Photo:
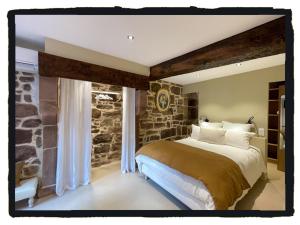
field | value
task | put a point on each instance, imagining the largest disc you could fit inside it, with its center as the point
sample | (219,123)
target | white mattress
(193,192)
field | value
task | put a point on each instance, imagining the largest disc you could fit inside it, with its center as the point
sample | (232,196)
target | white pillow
(212,135)
(211,125)
(237,126)
(239,139)
(195,132)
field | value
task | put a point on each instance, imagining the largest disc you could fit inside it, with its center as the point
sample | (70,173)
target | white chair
(27,189)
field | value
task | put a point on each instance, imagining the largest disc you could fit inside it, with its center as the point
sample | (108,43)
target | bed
(192,192)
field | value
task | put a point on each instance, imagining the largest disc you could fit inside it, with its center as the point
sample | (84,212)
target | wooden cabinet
(274,119)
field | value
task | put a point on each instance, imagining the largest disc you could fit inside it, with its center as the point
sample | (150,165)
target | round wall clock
(162,100)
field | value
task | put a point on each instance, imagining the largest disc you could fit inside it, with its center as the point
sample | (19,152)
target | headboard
(261,143)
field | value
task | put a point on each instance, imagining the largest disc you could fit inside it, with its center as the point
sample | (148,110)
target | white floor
(110,189)
(266,195)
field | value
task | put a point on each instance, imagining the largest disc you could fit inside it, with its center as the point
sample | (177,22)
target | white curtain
(74,135)
(128,131)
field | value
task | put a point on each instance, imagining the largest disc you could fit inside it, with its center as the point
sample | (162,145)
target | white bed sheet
(193,192)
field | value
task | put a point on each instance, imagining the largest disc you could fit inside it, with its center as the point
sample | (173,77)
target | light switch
(261,132)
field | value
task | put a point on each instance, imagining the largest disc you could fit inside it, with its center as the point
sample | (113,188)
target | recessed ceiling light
(130,37)
(238,64)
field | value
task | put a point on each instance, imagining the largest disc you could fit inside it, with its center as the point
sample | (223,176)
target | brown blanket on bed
(222,176)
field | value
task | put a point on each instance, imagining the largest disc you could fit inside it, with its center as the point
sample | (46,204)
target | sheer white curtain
(74,135)
(128,131)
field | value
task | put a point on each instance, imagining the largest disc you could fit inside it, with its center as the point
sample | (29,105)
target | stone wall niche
(106,125)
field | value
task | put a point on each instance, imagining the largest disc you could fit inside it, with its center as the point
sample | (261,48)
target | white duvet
(193,192)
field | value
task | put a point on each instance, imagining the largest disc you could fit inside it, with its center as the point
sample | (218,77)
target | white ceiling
(157,38)
(228,70)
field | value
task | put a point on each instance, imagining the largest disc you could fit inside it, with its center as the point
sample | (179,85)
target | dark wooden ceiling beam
(56,66)
(265,40)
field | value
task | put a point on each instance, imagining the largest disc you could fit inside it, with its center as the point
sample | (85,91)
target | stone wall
(155,125)
(36,124)
(106,125)
(28,124)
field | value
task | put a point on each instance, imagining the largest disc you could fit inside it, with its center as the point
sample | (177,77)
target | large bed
(192,192)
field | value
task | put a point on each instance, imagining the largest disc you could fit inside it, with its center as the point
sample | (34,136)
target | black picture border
(289,78)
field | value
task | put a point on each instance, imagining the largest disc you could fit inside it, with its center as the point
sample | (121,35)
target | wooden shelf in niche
(273,94)
(193,113)
(273,118)
(273,137)
(273,122)
(193,102)
(273,85)
(191,108)
(271,144)
(273,129)
(273,107)
(272,151)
